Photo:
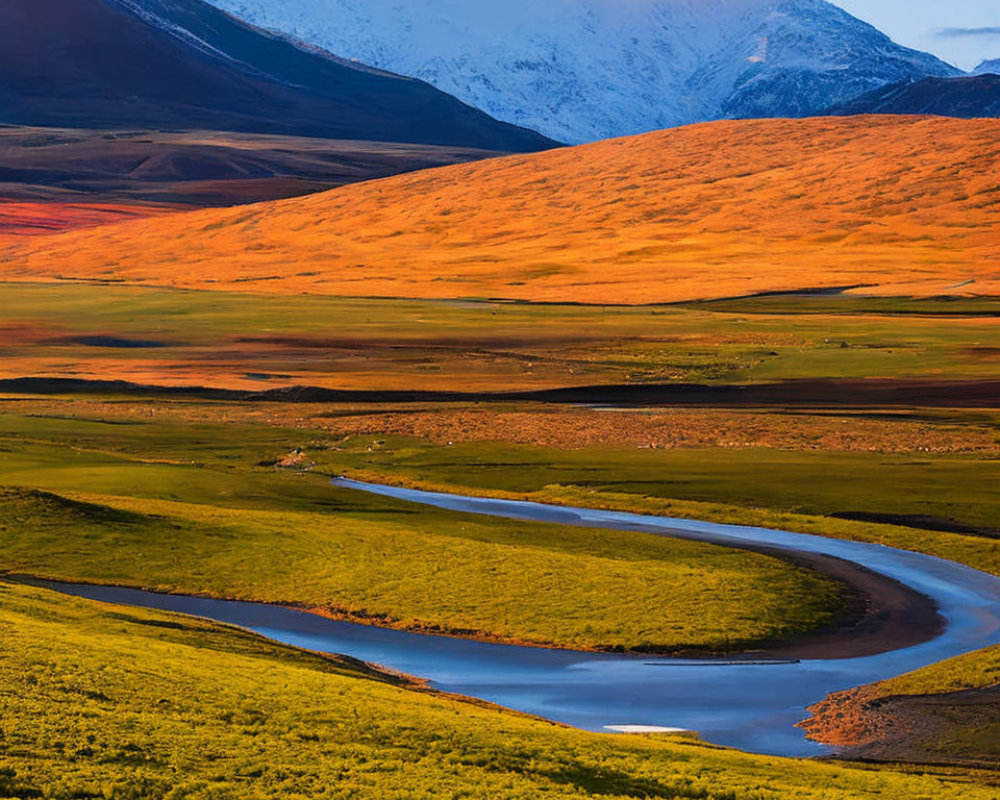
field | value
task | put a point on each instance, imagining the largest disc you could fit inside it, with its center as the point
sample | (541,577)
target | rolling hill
(581,70)
(200,168)
(183,64)
(39,218)
(890,205)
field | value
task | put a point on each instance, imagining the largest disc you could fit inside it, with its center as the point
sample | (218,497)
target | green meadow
(192,509)
(949,487)
(798,490)
(194,496)
(378,343)
(122,704)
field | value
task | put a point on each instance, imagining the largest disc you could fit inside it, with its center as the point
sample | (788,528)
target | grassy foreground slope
(103,702)
(904,206)
(188,508)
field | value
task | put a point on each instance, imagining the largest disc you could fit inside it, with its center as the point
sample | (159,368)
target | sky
(962,32)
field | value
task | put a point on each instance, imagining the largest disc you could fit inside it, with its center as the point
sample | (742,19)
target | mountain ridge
(966,97)
(581,70)
(184,64)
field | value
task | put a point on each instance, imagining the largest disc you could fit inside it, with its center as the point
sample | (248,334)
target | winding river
(751,706)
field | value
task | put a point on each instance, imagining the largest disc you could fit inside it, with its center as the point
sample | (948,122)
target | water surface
(750,706)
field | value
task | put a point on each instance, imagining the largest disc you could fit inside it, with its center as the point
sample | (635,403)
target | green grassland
(850,305)
(418,344)
(979,670)
(238,529)
(188,509)
(102,702)
(186,495)
(789,485)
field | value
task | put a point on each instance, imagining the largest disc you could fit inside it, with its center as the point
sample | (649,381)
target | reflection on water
(752,706)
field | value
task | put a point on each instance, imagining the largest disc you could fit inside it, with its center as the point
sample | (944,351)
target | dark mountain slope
(182,64)
(966,98)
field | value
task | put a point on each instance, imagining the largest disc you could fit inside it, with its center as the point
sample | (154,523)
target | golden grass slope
(42,218)
(905,205)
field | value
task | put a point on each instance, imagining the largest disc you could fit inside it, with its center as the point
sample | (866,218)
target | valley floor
(210,485)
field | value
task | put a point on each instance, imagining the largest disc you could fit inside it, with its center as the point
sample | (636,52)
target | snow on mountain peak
(579,70)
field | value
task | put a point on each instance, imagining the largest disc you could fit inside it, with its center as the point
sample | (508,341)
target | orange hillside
(901,205)
(28,218)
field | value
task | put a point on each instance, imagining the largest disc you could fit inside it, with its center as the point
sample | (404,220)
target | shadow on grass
(610,783)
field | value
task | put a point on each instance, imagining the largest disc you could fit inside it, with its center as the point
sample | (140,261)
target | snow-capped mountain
(579,70)
(991,67)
